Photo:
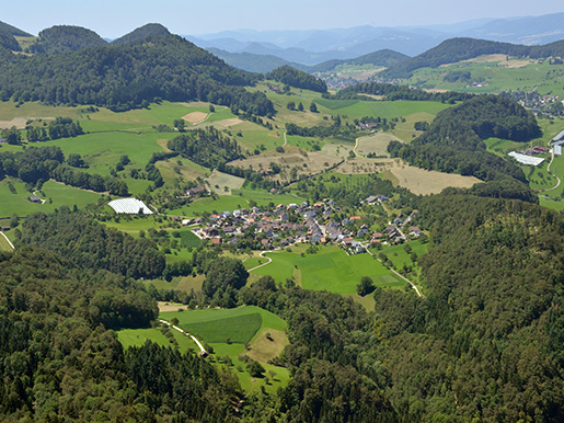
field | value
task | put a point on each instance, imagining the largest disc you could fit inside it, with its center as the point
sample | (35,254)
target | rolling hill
(130,75)
(457,49)
(65,38)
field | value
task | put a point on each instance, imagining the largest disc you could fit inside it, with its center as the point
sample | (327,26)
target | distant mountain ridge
(457,49)
(314,47)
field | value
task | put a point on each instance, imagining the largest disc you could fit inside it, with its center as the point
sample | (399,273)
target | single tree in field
(366,286)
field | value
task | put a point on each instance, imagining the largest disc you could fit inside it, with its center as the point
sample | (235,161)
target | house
(186,222)
(216,241)
(415,231)
(371,200)
(35,199)
(398,221)
(195,191)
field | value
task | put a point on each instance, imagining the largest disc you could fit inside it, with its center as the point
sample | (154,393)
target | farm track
(198,343)
(8,241)
(398,274)
(548,170)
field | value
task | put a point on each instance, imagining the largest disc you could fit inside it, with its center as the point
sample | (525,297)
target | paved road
(202,349)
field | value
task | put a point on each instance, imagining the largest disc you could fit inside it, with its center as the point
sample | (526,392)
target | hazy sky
(113,18)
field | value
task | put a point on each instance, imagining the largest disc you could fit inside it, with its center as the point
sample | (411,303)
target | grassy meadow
(328,269)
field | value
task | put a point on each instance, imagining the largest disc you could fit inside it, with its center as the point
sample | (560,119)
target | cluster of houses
(285,225)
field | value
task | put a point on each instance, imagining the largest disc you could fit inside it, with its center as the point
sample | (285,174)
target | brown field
(228,123)
(375,97)
(376,143)
(424,182)
(274,134)
(19,122)
(360,166)
(195,117)
(339,151)
(500,59)
(263,349)
(305,164)
(165,306)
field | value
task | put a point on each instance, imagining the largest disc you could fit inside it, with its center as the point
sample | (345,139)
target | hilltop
(65,38)
(127,75)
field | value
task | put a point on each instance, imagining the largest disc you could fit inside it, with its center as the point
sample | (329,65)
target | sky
(113,18)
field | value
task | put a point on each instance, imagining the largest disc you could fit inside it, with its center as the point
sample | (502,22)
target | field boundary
(198,343)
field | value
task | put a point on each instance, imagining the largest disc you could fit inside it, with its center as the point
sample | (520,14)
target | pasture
(55,195)
(330,268)
(262,331)
(375,144)
(241,198)
(223,183)
(137,337)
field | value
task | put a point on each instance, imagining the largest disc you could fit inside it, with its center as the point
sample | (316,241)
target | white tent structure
(129,206)
(526,160)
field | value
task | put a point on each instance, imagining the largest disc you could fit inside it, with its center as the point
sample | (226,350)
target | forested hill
(130,75)
(457,49)
(384,58)
(13,30)
(8,41)
(142,32)
(65,38)
(297,78)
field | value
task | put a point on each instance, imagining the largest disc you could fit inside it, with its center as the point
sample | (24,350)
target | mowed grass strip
(226,322)
(238,330)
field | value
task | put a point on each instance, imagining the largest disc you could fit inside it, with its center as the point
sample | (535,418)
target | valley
(366,253)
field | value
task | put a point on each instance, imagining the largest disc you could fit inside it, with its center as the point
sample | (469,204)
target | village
(284,225)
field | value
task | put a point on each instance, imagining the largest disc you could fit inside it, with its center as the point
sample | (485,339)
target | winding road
(548,170)
(198,343)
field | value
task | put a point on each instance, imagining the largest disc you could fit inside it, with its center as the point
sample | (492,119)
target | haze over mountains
(313,47)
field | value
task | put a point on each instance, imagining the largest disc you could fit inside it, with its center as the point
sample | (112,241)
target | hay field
(376,144)
(424,182)
(195,117)
(304,163)
(228,123)
(340,151)
(360,166)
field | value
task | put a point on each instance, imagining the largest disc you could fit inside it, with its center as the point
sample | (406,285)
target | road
(8,240)
(202,349)
(548,170)
(398,274)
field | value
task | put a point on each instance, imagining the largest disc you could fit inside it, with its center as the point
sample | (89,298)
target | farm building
(35,199)
(559,137)
(526,160)
(129,206)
